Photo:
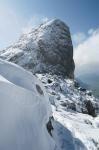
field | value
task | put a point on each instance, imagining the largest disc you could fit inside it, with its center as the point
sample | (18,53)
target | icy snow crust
(24,112)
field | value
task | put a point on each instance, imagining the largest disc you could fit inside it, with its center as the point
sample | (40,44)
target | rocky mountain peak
(45,49)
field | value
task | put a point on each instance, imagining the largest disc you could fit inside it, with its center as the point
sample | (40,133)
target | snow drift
(24,111)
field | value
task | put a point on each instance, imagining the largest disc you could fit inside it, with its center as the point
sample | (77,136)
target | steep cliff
(45,49)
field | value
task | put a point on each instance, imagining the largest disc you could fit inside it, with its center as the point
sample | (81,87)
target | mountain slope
(74,129)
(26,117)
(61,116)
(47,48)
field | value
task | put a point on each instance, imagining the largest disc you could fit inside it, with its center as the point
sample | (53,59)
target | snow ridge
(24,110)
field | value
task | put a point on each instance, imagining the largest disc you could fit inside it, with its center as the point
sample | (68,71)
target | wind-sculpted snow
(26,119)
(24,111)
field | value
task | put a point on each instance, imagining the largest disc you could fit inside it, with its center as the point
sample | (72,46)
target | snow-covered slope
(61,116)
(26,121)
(24,111)
(74,126)
(69,95)
(47,48)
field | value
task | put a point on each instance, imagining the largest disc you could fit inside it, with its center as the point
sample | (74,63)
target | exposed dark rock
(64,104)
(76,84)
(90,108)
(68,105)
(82,89)
(40,91)
(46,49)
(49,126)
(72,106)
(49,81)
(89,93)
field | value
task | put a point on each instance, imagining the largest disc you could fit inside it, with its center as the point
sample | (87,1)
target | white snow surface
(73,130)
(28,50)
(24,111)
(25,102)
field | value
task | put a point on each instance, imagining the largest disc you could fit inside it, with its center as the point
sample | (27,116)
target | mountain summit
(45,49)
(57,114)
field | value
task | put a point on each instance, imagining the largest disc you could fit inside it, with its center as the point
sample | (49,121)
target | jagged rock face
(46,49)
(64,94)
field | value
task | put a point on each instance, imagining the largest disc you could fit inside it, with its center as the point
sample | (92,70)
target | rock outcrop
(25,112)
(45,49)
